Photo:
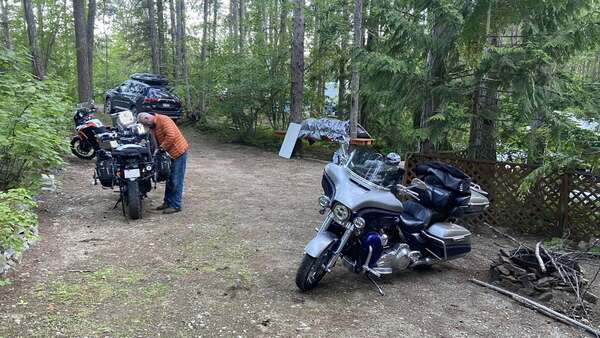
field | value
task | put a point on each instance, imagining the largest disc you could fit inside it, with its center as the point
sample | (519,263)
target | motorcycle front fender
(319,243)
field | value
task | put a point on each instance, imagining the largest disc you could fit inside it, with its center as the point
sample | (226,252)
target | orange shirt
(169,137)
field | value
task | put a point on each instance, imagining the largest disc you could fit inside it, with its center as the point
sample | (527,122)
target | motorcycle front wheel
(79,149)
(312,270)
(133,200)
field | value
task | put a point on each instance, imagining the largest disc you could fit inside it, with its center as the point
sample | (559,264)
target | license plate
(166,105)
(132,173)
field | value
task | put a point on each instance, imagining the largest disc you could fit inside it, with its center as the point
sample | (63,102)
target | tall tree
(5,24)
(482,131)
(154,52)
(215,25)
(83,73)
(204,51)
(358,43)
(181,47)
(91,20)
(234,21)
(160,15)
(38,69)
(174,49)
(343,61)
(297,62)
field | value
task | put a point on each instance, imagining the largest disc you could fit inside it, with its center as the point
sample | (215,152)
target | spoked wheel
(82,150)
(132,201)
(312,270)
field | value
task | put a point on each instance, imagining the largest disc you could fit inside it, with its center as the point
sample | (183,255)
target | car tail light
(150,100)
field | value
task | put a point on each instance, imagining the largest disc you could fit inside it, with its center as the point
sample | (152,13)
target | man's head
(146,119)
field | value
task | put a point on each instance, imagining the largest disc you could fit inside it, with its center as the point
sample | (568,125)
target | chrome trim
(326,222)
(349,231)
(438,240)
(364,181)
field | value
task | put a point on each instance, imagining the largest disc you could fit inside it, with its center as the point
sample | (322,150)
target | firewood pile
(542,274)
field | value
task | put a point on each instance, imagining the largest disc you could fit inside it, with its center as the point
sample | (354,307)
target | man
(170,139)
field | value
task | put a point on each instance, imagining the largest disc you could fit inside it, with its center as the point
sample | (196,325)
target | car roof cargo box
(151,79)
(445,175)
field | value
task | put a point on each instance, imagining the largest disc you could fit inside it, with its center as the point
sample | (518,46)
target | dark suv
(144,93)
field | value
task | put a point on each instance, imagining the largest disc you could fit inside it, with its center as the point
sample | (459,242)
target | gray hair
(144,118)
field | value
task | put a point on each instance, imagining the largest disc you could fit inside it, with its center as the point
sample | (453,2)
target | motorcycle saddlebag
(448,240)
(162,165)
(105,168)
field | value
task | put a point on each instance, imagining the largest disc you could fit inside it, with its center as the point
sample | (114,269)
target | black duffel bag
(445,175)
(105,170)
(162,166)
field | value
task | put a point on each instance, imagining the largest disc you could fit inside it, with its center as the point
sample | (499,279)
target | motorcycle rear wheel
(133,200)
(312,270)
(76,149)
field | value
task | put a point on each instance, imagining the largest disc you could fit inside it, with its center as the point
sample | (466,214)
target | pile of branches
(544,274)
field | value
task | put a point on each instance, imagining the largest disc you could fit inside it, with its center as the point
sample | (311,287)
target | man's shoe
(170,210)
(162,207)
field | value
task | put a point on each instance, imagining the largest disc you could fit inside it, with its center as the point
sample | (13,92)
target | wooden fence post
(565,192)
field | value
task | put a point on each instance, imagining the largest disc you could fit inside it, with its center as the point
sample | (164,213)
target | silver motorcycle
(377,226)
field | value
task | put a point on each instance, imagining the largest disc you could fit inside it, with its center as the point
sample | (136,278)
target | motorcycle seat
(415,217)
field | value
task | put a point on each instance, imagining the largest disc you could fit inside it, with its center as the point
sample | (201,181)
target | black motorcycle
(131,165)
(84,145)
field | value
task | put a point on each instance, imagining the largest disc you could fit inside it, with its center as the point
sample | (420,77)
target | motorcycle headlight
(341,213)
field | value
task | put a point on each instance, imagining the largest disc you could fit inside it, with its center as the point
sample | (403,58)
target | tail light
(150,100)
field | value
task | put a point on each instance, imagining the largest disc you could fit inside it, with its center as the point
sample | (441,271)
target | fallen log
(540,308)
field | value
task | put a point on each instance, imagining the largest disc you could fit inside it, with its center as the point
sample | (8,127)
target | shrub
(17,220)
(33,123)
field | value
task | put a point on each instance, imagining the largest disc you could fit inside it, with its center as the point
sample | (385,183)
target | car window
(158,92)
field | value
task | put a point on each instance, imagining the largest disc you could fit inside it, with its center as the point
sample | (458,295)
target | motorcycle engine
(396,258)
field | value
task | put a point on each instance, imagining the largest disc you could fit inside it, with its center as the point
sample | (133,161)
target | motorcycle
(130,164)
(84,145)
(377,226)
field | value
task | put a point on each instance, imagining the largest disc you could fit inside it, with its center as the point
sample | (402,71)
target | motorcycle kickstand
(379,289)
(118,201)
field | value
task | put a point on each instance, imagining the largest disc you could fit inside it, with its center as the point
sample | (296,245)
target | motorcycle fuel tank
(351,191)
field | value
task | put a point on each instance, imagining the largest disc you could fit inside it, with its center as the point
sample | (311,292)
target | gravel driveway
(225,266)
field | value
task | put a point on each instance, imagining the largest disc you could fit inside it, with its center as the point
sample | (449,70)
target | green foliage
(17,219)
(33,124)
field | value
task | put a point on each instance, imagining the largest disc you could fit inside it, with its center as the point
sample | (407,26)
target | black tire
(81,153)
(108,107)
(312,270)
(133,200)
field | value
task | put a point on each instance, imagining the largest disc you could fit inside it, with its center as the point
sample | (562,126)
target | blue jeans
(174,189)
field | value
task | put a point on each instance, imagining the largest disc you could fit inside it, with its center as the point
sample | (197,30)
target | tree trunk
(5,25)
(535,154)
(242,24)
(91,20)
(174,49)
(203,53)
(215,25)
(160,15)
(154,53)
(83,73)
(235,28)
(297,62)
(435,73)
(38,69)
(181,38)
(358,42)
(482,133)
(343,61)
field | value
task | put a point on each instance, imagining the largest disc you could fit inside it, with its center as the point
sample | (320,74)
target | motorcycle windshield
(371,166)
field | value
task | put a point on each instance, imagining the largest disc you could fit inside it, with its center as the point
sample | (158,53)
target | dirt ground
(225,266)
